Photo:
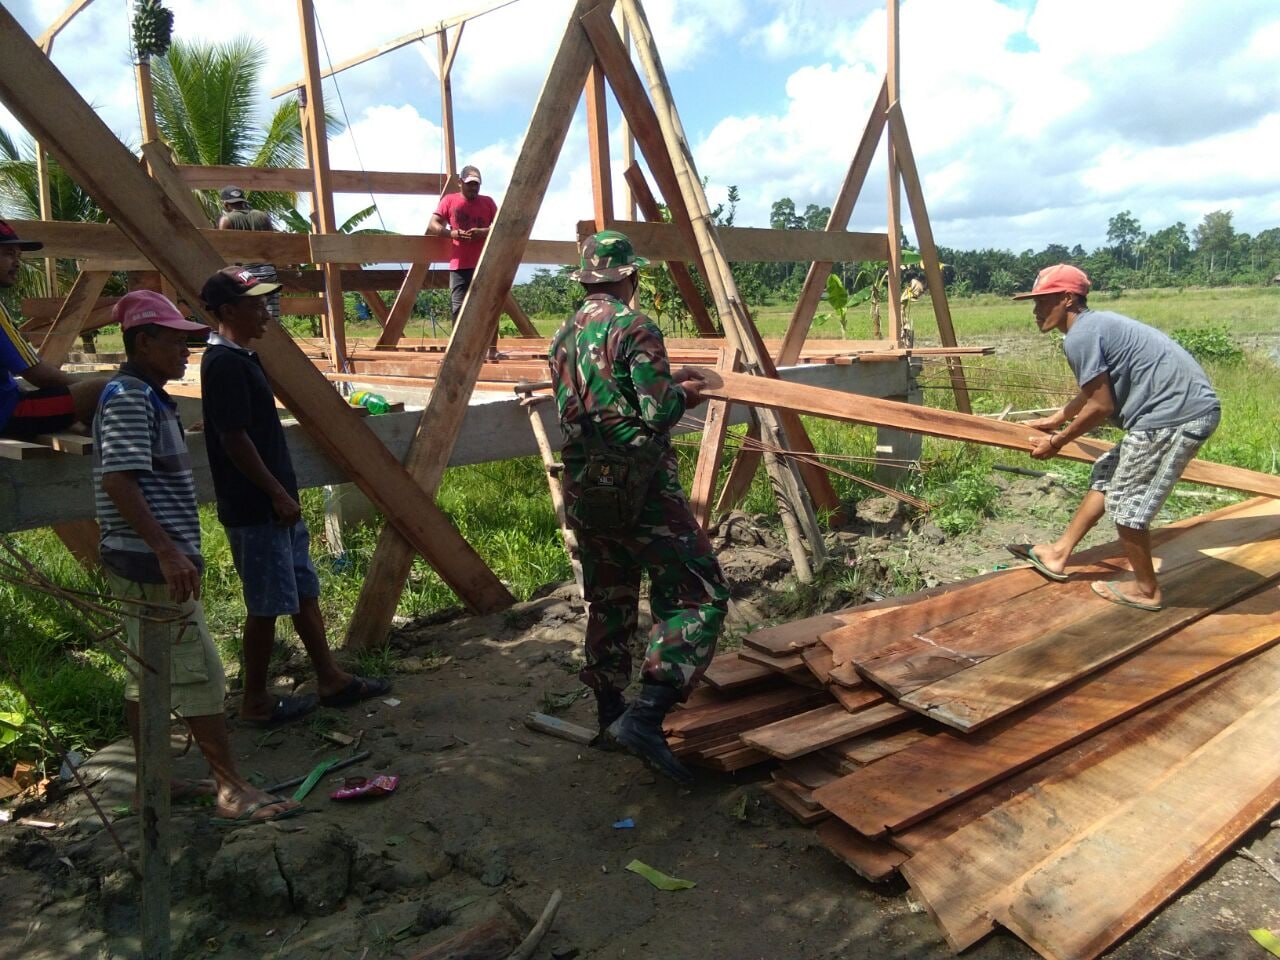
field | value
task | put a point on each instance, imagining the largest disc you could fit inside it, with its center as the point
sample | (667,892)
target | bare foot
(1127,592)
(237,804)
(1050,557)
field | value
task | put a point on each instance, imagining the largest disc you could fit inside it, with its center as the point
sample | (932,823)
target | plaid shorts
(1138,473)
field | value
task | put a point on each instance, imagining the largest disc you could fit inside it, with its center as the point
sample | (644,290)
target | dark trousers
(459,282)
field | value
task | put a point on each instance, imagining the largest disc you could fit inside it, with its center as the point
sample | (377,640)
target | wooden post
(155,770)
(318,153)
(521,319)
(598,148)
(44,102)
(643,199)
(448,51)
(555,478)
(75,310)
(794,506)
(429,453)
(146,100)
(894,228)
(928,251)
(711,451)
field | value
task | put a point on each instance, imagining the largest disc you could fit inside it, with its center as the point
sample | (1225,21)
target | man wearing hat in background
(464,218)
(613,384)
(1139,379)
(150,539)
(58,401)
(257,495)
(238,214)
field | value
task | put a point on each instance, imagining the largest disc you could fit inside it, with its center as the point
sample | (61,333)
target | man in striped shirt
(150,537)
(58,401)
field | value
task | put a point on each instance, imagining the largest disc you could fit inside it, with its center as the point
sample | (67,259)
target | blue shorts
(275,567)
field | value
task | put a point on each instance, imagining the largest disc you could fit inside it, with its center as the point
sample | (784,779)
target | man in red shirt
(464,218)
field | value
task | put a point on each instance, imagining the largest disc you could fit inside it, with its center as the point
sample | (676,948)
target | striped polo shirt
(16,356)
(136,429)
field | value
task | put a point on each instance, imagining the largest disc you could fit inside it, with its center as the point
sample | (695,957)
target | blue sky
(1032,121)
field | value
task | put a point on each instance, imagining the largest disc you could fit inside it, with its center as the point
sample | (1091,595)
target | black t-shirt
(236,396)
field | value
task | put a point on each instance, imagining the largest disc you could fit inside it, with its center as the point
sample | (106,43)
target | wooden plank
(1219,793)
(680,274)
(948,424)
(801,793)
(870,747)
(78,444)
(477,323)
(23,450)
(807,732)
(787,663)
(811,771)
(735,760)
(795,635)
(724,714)
(711,450)
(935,653)
(302,180)
(873,860)
(1005,683)
(396,248)
(845,675)
(854,700)
(728,671)
(108,242)
(902,153)
(966,861)
(72,316)
(903,789)
(818,659)
(664,241)
(815,281)
(788,802)
(49,108)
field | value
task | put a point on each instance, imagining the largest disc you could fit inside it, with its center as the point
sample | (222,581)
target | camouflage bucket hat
(607,256)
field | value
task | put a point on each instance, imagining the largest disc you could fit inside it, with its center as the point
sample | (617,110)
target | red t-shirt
(463,214)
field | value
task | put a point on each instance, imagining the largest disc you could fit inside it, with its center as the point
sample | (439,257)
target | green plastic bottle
(373,402)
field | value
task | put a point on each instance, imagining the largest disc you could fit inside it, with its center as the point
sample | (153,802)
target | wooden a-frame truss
(154,226)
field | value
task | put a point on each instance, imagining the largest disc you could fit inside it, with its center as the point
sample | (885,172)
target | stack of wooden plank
(1024,752)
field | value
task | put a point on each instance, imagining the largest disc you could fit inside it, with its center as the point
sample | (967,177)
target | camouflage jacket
(623,376)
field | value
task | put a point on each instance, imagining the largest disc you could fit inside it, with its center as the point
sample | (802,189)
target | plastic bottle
(372,402)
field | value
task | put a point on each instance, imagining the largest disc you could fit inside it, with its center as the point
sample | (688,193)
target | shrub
(1209,344)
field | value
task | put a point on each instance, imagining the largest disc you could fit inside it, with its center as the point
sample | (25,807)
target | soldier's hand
(693,383)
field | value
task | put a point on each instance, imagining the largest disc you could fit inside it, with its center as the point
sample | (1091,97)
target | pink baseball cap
(141,307)
(1060,278)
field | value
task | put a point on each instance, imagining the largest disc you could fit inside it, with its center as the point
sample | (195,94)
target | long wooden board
(935,653)
(814,401)
(807,732)
(965,876)
(728,671)
(870,747)
(903,789)
(743,712)
(1007,682)
(1204,805)
(872,860)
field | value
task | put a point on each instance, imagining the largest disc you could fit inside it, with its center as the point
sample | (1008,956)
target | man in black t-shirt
(257,496)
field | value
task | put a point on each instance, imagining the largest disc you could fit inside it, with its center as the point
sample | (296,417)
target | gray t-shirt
(1156,383)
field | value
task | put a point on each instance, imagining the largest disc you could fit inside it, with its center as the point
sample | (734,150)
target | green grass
(504,510)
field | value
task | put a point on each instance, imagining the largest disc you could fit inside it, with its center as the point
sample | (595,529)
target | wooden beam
(447,52)
(711,451)
(950,425)
(894,274)
(395,44)
(815,281)
(928,250)
(50,109)
(146,101)
(81,301)
(159,157)
(598,147)
(396,248)
(663,241)
(154,762)
(300,180)
(644,200)
(521,319)
(474,329)
(317,140)
(107,243)
(45,40)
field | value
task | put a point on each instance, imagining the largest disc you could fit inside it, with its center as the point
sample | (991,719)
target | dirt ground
(490,817)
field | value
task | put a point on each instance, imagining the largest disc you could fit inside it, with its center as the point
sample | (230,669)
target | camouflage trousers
(687,594)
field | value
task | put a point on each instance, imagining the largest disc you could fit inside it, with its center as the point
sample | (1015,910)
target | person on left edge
(145,498)
(257,495)
(58,401)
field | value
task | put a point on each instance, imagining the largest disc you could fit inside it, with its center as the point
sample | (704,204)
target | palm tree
(205,108)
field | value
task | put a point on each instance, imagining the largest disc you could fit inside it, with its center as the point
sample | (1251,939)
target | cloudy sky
(1033,121)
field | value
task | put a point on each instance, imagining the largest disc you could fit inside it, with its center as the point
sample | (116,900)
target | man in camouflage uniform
(621,387)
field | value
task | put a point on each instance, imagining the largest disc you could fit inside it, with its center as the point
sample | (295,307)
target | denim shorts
(275,567)
(1138,473)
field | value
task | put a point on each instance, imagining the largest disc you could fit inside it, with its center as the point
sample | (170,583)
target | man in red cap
(1136,378)
(58,401)
(150,540)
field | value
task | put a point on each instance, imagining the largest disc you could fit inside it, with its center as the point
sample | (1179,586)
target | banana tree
(870,285)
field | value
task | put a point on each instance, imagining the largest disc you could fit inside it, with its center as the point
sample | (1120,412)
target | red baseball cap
(1060,278)
(141,307)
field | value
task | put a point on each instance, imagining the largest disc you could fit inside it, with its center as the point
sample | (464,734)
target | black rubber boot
(610,705)
(640,731)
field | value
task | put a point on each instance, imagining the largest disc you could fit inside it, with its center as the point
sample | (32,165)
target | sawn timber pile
(1023,752)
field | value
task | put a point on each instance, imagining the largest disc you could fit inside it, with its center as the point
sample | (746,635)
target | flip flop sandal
(357,787)
(285,710)
(360,688)
(246,817)
(1108,590)
(1044,571)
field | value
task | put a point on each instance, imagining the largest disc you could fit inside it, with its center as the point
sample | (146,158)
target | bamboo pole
(794,507)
